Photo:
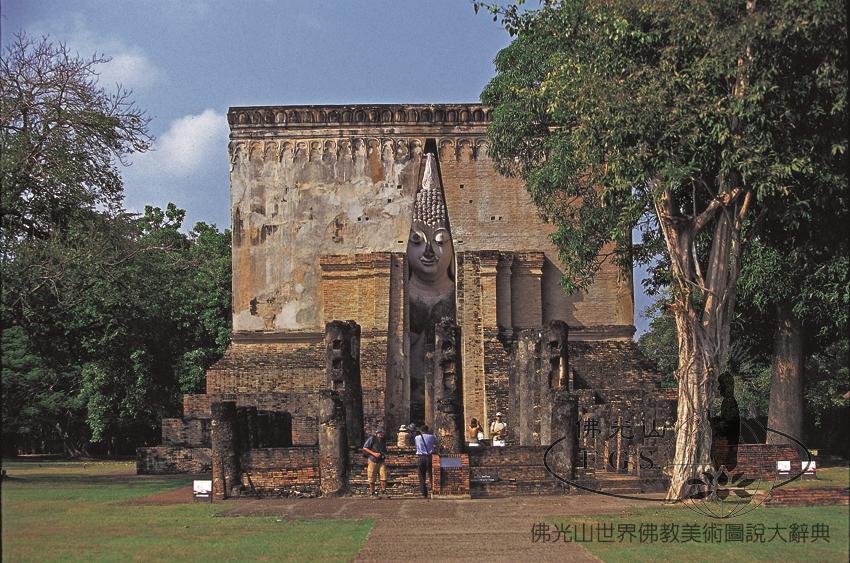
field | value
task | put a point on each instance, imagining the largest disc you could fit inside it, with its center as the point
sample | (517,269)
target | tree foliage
(61,135)
(107,316)
(695,122)
(134,314)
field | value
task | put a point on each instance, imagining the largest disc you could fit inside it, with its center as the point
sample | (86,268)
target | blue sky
(187,61)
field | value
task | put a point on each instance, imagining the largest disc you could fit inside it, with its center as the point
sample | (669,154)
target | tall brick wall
(610,364)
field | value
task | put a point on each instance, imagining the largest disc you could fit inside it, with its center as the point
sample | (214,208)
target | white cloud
(129,65)
(130,68)
(187,146)
(188,166)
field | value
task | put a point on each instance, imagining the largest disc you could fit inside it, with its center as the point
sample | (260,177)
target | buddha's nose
(429,250)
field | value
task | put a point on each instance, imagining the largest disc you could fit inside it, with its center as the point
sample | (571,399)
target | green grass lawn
(836,517)
(827,477)
(71,511)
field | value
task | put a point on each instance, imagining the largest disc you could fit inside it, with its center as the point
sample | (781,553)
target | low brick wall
(402,469)
(448,479)
(161,460)
(282,471)
(515,470)
(808,496)
(755,461)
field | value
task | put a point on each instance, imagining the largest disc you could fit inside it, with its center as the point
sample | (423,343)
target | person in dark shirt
(376,448)
(424,450)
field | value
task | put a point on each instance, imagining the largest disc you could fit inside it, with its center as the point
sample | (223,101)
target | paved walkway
(443,530)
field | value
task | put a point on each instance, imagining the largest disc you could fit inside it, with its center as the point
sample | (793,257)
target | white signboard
(202,489)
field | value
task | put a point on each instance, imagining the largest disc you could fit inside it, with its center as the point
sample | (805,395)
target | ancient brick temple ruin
(385,273)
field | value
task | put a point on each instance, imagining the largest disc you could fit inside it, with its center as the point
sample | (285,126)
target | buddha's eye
(441,237)
(415,238)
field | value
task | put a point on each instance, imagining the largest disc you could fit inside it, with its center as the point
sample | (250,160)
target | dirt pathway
(448,530)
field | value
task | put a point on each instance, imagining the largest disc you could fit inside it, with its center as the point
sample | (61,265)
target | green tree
(106,316)
(62,136)
(677,117)
(134,319)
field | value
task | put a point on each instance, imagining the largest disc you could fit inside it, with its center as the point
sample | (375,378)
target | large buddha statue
(431,286)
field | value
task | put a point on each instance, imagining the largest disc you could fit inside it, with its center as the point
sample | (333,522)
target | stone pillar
(342,359)
(397,391)
(563,421)
(524,387)
(448,415)
(225,450)
(557,355)
(503,293)
(527,290)
(488,271)
(333,444)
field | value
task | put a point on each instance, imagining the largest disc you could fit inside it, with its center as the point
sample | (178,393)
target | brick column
(342,365)
(488,271)
(225,456)
(527,290)
(562,419)
(448,414)
(523,387)
(333,444)
(556,354)
(503,292)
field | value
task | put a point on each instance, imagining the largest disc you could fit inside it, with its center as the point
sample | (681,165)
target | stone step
(622,490)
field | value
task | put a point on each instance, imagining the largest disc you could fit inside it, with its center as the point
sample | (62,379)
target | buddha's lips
(428,261)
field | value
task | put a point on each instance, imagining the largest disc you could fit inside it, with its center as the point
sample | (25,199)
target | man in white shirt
(498,430)
(424,450)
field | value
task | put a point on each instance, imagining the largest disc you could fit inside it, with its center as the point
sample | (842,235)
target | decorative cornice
(294,117)
(316,146)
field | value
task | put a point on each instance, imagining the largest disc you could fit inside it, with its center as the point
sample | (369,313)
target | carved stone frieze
(389,150)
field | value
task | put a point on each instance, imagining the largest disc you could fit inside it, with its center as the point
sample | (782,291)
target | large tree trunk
(785,413)
(703,307)
(696,376)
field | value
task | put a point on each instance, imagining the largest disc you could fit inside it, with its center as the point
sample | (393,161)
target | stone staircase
(616,483)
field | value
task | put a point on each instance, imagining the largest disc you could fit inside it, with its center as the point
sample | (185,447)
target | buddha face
(429,253)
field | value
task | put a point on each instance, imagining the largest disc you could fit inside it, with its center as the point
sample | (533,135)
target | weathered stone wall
(192,432)
(340,181)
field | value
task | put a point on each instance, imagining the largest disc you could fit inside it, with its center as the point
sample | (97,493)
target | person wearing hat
(375,449)
(498,430)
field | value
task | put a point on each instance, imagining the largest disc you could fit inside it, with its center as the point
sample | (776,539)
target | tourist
(376,450)
(498,430)
(474,432)
(424,450)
